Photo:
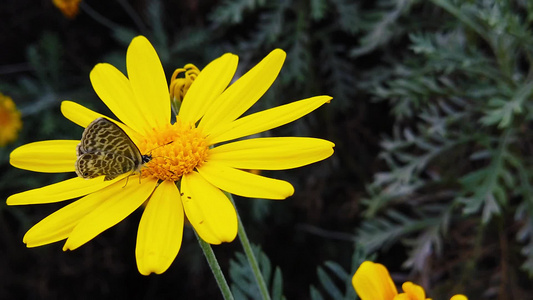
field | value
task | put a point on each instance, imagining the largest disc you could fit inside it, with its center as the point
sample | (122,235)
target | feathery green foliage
(335,281)
(243,285)
(461,102)
(299,27)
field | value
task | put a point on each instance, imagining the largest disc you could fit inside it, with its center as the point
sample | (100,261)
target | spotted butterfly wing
(105,149)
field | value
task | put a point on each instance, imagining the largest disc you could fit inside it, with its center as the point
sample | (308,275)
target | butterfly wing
(105,149)
(91,165)
(106,136)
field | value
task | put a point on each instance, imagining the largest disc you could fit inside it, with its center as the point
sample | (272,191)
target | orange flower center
(5,117)
(176,149)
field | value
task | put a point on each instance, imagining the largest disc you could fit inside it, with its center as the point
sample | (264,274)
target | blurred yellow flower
(10,122)
(69,8)
(372,281)
(193,160)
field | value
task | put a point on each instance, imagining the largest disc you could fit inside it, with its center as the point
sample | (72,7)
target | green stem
(215,268)
(98,17)
(250,255)
(134,16)
(461,16)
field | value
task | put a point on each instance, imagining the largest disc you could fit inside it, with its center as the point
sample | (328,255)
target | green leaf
(318,9)
(334,278)
(232,12)
(501,111)
(243,284)
(487,187)
(315,294)
(277,285)
(328,284)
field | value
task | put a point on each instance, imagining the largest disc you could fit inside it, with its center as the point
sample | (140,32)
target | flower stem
(215,268)
(134,16)
(250,255)
(98,17)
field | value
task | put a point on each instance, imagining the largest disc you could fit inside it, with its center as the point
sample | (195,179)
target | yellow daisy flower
(69,8)
(10,122)
(372,281)
(193,161)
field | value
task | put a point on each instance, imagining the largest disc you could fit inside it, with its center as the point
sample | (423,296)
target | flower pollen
(176,149)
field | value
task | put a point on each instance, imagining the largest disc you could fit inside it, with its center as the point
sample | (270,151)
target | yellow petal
(459,297)
(121,199)
(83,116)
(64,190)
(115,91)
(160,230)
(372,281)
(242,94)
(213,79)
(210,212)
(148,82)
(265,120)
(59,225)
(79,114)
(55,156)
(277,153)
(244,183)
(414,291)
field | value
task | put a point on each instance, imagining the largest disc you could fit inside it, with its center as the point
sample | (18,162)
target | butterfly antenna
(164,157)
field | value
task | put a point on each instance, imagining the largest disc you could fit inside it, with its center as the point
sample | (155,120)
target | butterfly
(105,149)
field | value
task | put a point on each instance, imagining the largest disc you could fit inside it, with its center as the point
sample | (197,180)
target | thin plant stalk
(98,17)
(250,255)
(215,268)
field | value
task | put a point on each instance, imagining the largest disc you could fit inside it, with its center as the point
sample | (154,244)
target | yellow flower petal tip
(279,54)
(77,113)
(149,88)
(140,39)
(45,156)
(413,291)
(459,297)
(160,230)
(172,153)
(372,281)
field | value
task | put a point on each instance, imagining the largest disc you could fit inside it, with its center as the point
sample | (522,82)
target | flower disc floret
(176,150)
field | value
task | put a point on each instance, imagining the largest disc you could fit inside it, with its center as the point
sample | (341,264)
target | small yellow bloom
(372,281)
(180,85)
(194,159)
(411,292)
(10,122)
(69,8)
